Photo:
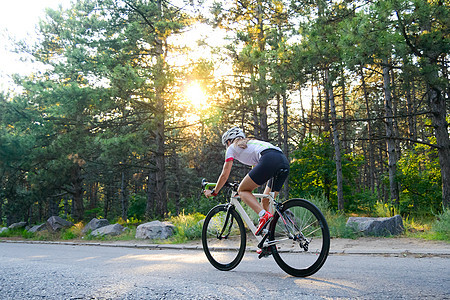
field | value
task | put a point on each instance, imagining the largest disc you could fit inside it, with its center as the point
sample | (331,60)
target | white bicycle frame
(235,201)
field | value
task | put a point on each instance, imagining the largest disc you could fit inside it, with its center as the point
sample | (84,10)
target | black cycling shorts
(274,166)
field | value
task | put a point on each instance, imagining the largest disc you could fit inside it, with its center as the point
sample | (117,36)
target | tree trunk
(263,120)
(410,106)
(337,150)
(279,132)
(77,193)
(108,200)
(344,114)
(262,102)
(176,180)
(394,97)
(256,129)
(326,116)
(150,207)
(320,114)
(124,197)
(390,138)
(371,172)
(93,196)
(438,109)
(285,140)
(160,178)
(160,157)
(311,113)
(437,104)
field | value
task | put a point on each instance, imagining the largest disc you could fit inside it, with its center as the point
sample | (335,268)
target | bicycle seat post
(271,202)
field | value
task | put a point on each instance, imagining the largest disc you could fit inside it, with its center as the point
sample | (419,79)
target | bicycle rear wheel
(223,237)
(301,238)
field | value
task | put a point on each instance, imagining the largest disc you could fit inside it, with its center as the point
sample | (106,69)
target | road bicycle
(298,237)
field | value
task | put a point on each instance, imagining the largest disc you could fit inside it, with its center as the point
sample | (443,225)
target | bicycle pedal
(265,252)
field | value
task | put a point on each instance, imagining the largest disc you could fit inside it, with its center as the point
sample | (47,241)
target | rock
(114,229)
(95,224)
(3,229)
(56,223)
(17,225)
(155,230)
(377,226)
(37,228)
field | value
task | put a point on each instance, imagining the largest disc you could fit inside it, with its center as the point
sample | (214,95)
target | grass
(19,232)
(436,229)
(441,227)
(337,221)
(188,227)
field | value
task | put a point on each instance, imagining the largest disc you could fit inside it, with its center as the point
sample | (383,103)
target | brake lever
(203,183)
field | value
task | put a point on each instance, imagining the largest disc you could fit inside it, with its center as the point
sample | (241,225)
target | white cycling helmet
(231,134)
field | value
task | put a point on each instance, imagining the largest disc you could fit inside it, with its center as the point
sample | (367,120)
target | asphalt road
(42,271)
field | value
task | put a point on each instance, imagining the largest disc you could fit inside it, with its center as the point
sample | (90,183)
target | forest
(124,117)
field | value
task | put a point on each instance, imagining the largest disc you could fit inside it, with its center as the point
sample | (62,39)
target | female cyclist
(268,162)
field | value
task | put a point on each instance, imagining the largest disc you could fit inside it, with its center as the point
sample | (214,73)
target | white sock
(262,213)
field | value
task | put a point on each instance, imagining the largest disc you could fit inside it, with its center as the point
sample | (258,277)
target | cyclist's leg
(269,166)
(245,191)
(265,201)
(275,183)
(246,187)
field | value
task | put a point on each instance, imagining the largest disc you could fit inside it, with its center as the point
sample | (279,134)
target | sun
(195,94)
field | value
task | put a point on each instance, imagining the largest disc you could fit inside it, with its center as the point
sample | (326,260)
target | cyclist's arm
(226,170)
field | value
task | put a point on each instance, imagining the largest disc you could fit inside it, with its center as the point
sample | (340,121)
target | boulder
(18,225)
(155,230)
(114,229)
(3,229)
(37,228)
(377,226)
(95,224)
(56,223)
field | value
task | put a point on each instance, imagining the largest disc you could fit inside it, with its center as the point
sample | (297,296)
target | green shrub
(11,232)
(93,213)
(441,227)
(197,204)
(21,232)
(27,235)
(421,193)
(46,235)
(5,233)
(188,227)
(68,234)
(337,223)
(137,206)
(321,202)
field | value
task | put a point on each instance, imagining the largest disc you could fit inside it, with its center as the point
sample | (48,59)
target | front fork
(228,218)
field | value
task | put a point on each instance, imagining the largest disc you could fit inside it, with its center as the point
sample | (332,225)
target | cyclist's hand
(208,193)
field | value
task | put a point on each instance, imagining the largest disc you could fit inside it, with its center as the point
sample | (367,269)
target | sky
(18,19)
(21,16)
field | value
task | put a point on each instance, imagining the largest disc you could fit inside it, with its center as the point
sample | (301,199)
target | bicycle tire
(223,253)
(303,219)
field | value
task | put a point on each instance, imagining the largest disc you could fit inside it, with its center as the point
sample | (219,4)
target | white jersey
(249,156)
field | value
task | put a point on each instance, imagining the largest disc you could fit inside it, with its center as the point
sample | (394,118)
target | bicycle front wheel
(223,237)
(300,238)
